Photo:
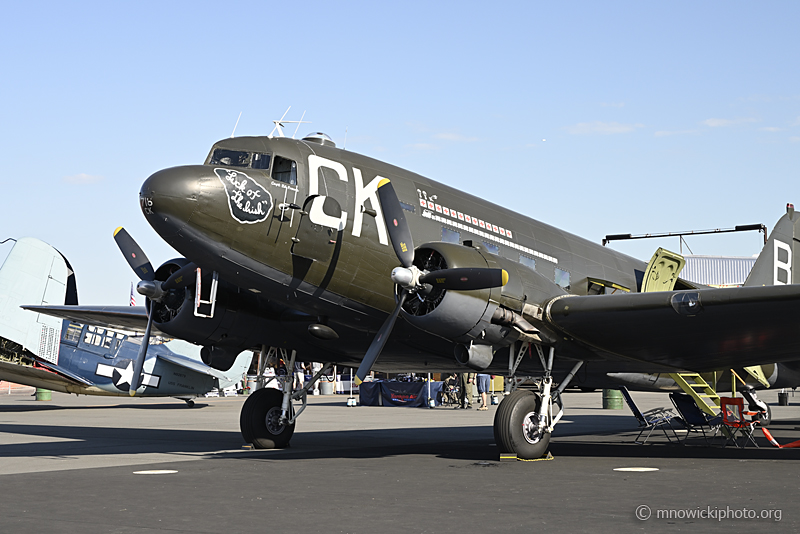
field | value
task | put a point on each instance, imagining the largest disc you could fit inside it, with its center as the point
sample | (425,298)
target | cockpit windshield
(234,158)
(238,158)
(260,161)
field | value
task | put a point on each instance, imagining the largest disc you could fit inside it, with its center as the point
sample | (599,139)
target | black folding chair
(693,418)
(651,419)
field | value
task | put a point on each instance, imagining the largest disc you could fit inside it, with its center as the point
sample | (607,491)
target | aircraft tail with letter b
(776,263)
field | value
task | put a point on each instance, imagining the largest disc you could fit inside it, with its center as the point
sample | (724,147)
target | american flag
(133,297)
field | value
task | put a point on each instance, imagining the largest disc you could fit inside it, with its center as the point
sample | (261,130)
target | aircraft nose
(169,197)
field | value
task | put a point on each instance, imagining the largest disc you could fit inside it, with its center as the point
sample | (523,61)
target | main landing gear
(525,419)
(261,423)
(268,418)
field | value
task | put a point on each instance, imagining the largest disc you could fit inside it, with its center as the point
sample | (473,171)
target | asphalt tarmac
(71,464)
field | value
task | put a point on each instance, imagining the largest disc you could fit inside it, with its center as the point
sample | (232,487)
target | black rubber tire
(190,403)
(260,405)
(763,418)
(508,426)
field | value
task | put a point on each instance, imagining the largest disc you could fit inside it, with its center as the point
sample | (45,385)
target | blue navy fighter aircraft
(60,355)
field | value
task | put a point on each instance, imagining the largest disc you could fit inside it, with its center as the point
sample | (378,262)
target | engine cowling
(224,335)
(462,316)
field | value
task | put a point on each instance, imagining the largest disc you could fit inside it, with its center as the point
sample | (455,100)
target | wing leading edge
(129,318)
(699,330)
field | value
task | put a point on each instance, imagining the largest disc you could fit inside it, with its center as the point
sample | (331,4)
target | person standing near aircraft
(299,375)
(314,368)
(465,392)
(483,389)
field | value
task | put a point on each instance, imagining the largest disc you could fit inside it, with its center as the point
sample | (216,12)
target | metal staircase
(700,390)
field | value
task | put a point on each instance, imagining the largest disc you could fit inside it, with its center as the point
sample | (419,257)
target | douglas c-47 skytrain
(320,254)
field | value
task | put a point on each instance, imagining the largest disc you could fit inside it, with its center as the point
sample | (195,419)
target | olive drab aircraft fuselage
(312,239)
(301,249)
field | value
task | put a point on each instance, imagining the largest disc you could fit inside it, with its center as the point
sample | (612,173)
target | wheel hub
(530,428)
(273,421)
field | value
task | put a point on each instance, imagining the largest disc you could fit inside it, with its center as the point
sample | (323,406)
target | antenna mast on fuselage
(281,123)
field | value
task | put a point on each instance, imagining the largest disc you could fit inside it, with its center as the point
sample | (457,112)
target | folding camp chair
(651,419)
(733,418)
(693,418)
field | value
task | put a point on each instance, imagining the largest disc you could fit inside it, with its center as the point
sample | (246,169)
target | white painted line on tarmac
(636,469)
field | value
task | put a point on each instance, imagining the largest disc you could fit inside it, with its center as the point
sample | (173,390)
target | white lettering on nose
(783,268)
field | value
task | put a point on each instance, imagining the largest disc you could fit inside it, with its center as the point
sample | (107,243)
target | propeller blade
(135,256)
(465,279)
(139,364)
(180,278)
(378,343)
(396,224)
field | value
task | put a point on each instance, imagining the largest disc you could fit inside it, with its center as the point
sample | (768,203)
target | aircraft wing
(697,330)
(50,373)
(65,373)
(130,318)
(193,365)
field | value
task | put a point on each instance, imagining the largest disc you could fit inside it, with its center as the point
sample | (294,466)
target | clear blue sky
(596,117)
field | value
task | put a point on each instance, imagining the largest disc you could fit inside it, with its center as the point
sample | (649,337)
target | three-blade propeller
(409,277)
(151,288)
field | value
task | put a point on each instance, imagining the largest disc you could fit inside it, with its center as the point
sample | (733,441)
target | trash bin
(612,399)
(783,398)
(43,394)
(325,387)
(252,384)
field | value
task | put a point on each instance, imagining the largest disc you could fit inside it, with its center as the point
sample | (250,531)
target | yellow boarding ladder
(700,390)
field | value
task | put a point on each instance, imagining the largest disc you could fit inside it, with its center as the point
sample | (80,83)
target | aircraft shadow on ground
(474,443)
(40,407)
(93,441)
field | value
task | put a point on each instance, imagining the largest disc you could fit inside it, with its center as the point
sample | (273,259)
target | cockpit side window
(233,158)
(260,161)
(284,170)
(72,334)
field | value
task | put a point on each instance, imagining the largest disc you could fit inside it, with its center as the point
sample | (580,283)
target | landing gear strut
(268,418)
(762,409)
(525,419)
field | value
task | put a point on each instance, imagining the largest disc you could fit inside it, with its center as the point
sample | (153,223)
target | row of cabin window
(561,276)
(99,337)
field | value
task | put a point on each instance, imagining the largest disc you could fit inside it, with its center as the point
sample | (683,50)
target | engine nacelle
(462,316)
(230,330)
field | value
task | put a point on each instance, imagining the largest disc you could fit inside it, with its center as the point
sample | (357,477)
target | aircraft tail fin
(34,273)
(239,368)
(780,258)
